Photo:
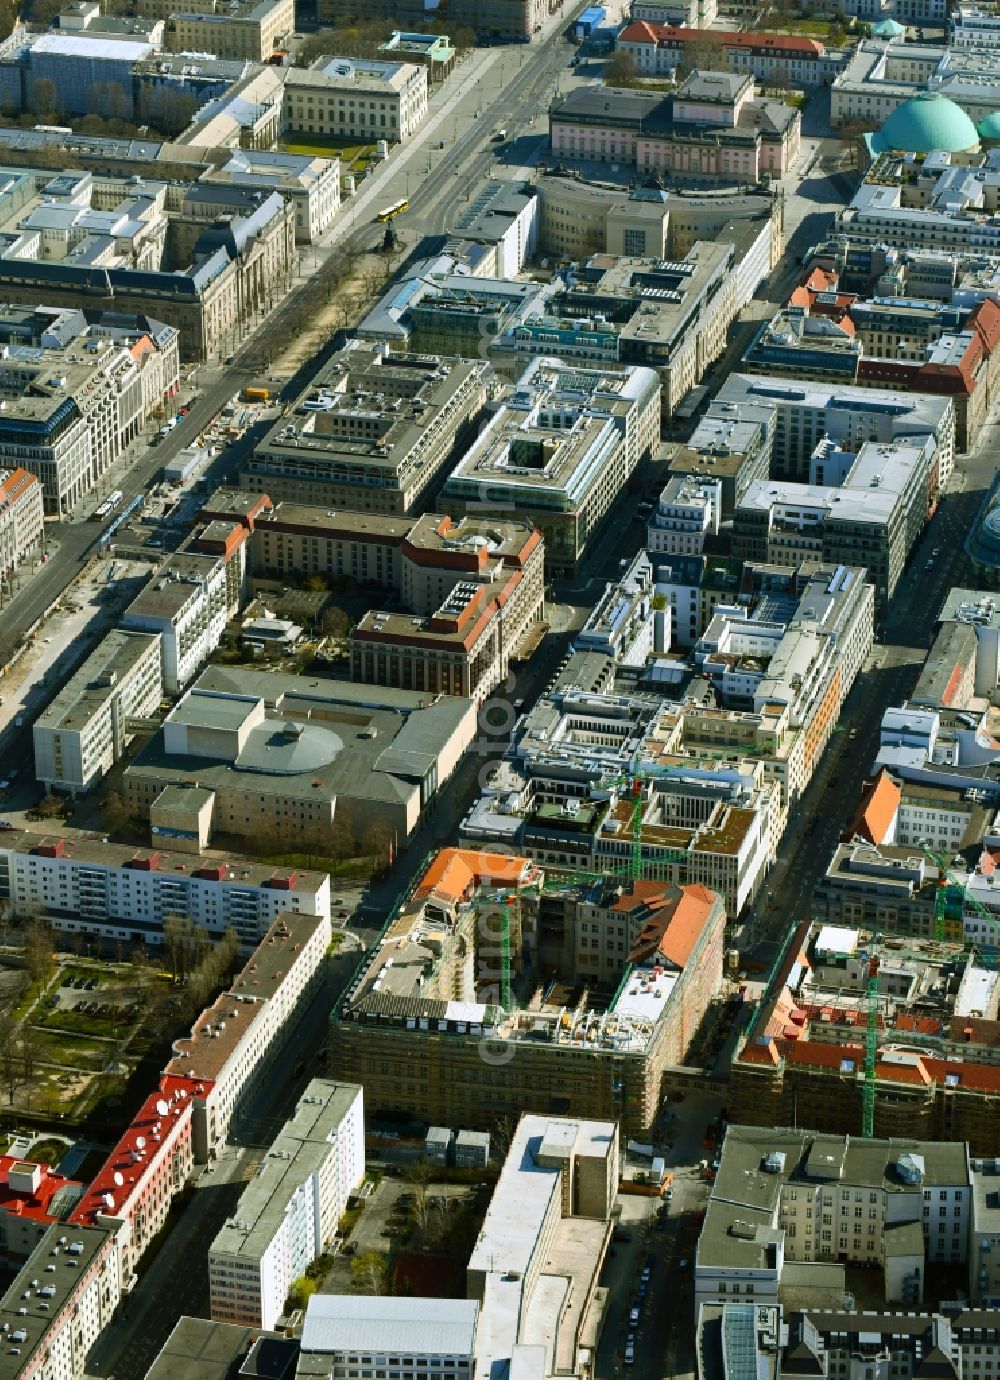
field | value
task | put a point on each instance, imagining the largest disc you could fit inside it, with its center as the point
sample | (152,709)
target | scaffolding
(871,1050)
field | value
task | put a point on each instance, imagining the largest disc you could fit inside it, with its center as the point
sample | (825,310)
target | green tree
(301,1291)
(38,956)
(368,1272)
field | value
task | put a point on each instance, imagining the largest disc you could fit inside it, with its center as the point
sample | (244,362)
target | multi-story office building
(984,1235)
(82,885)
(345,1335)
(950,349)
(374,432)
(312,185)
(289,1212)
(356,98)
(687,511)
(880,77)
(559,451)
(685,14)
(187,603)
(22,519)
(669,316)
(84,731)
(479,590)
(437,309)
(807,413)
(785,1196)
(874,518)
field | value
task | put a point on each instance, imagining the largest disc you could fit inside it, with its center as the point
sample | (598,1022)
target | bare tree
(39,959)
(619,70)
(368,1272)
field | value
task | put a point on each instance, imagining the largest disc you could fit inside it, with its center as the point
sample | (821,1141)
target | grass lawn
(47,1151)
(72,1050)
(80,1023)
(323,148)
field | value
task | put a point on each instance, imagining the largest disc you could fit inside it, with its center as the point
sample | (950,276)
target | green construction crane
(871,1050)
(948,878)
(505,984)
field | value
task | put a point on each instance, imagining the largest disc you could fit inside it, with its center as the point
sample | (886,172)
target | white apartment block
(234,1042)
(354,1337)
(83,885)
(972,27)
(84,731)
(356,98)
(61,1300)
(188,602)
(688,510)
(932,816)
(288,1213)
(22,518)
(789,1195)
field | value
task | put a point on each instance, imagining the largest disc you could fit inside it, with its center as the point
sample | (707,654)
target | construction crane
(633,794)
(948,878)
(871,1049)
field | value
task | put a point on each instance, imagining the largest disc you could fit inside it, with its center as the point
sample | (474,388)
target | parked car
(633,1317)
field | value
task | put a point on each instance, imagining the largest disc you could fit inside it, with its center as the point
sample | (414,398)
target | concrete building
(438,308)
(579,218)
(232,1047)
(730,446)
(356,98)
(50,1336)
(879,77)
(875,517)
(501,225)
(559,451)
(433,51)
(479,589)
(257,742)
(548,1226)
(289,1212)
(344,1334)
(784,1197)
(984,1235)
(658,49)
(84,886)
(198,1349)
(807,413)
(713,131)
(690,14)
(84,731)
(187,604)
(250,29)
(135,1186)
(944,348)
(441,969)
(32,1197)
(672,317)
(622,623)
(311,184)
(687,511)
(22,519)
(341,448)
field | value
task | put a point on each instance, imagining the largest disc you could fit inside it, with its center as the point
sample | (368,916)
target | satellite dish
(140,1142)
(118,1177)
(162,1107)
(109,1202)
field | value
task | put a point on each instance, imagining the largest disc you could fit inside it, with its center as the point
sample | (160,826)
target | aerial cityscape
(499,690)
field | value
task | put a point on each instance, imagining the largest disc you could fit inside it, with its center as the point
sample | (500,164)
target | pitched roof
(878,808)
(675,933)
(455,872)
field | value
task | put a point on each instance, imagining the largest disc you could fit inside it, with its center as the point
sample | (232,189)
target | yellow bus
(396,209)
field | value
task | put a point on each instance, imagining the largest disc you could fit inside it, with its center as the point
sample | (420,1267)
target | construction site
(880,1035)
(497,987)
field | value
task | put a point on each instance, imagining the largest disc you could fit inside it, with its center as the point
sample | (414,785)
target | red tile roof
(675,932)
(643,31)
(879,805)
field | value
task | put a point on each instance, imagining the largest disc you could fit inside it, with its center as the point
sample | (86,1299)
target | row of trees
(363,37)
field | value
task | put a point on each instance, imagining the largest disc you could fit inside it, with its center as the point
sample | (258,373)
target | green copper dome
(888,28)
(989,127)
(927,122)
